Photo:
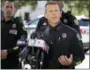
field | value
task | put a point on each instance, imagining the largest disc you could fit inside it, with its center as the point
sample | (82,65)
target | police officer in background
(65,49)
(67,19)
(11,31)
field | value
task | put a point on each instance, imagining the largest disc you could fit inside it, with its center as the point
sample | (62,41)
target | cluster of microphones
(32,55)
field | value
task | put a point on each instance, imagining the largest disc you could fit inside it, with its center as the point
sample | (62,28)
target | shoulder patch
(65,20)
(78,36)
(76,22)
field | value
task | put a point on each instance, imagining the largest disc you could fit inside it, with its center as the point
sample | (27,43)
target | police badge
(64,35)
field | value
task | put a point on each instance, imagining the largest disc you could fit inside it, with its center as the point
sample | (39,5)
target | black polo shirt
(62,40)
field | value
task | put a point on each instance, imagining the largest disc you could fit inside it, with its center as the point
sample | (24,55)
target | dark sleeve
(74,23)
(76,26)
(77,49)
(21,31)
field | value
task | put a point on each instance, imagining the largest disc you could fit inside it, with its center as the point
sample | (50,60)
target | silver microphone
(38,43)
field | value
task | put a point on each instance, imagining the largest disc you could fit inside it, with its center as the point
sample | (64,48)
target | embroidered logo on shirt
(64,35)
(13,31)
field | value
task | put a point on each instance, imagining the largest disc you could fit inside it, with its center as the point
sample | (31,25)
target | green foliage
(20,3)
(79,7)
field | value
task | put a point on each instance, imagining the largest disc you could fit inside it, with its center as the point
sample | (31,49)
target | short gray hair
(51,3)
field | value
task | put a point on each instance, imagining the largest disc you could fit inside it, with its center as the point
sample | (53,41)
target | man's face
(53,13)
(8,9)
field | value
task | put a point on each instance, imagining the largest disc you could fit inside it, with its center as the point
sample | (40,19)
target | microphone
(33,35)
(39,48)
(23,54)
(38,43)
(32,40)
(42,58)
(42,48)
(22,40)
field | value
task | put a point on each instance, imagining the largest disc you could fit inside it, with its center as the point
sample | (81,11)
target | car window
(35,22)
(84,22)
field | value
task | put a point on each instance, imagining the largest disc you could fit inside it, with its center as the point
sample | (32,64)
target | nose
(53,13)
(9,9)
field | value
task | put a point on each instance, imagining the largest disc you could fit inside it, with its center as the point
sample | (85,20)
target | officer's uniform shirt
(11,31)
(62,40)
(70,20)
(66,18)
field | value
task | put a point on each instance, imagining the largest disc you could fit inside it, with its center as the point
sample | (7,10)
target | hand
(4,54)
(64,60)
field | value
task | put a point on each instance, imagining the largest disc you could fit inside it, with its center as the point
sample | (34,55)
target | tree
(81,6)
(20,3)
(78,5)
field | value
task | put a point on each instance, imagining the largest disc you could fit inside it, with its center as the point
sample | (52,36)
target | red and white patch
(13,31)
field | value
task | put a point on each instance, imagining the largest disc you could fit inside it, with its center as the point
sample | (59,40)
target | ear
(60,14)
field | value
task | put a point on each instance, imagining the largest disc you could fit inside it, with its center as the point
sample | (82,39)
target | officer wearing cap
(65,49)
(11,31)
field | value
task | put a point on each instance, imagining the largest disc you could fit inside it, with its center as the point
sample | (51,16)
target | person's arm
(73,22)
(77,50)
(76,26)
(15,49)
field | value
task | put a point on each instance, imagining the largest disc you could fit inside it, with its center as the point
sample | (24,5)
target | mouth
(9,13)
(54,18)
